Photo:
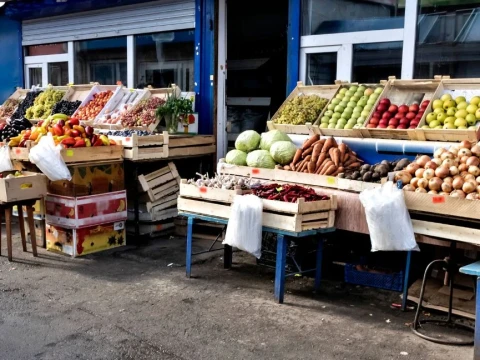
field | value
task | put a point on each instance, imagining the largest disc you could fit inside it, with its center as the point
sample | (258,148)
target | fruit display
(66,107)
(350,108)
(453,113)
(13,129)
(90,110)
(129,133)
(287,193)
(43,104)
(8,108)
(112,116)
(373,173)
(142,114)
(65,130)
(27,103)
(391,116)
(454,172)
(301,110)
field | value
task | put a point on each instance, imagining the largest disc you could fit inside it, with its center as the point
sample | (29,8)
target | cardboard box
(84,241)
(90,180)
(76,212)
(40,233)
(30,186)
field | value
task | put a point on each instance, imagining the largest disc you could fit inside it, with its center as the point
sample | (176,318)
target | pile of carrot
(323,157)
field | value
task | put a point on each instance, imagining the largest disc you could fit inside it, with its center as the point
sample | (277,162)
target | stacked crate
(88,213)
(158,201)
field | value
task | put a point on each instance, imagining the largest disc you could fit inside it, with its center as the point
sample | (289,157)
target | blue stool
(474,269)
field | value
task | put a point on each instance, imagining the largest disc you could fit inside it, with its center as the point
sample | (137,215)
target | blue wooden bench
(474,269)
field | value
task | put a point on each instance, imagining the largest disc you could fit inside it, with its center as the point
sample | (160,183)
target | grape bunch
(25,104)
(66,107)
(143,114)
(301,109)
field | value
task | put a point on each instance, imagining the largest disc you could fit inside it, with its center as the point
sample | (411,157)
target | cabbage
(283,152)
(260,159)
(247,141)
(236,157)
(271,137)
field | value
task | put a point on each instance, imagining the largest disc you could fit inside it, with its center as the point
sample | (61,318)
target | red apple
(382,126)
(393,122)
(425,104)
(371,126)
(404,121)
(414,122)
(374,121)
(398,116)
(383,121)
(401,126)
(410,115)
(387,115)
(382,108)
(412,127)
(413,108)
(391,127)
(385,102)
(393,109)
(377,114)
(403,109)
(419,117)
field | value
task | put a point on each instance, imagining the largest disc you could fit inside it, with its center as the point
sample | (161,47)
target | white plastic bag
(48,159)
(244,230)
(388,219)
(5,162)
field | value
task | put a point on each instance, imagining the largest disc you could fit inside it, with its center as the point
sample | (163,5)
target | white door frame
(28,83)
(222,138)
(42,62)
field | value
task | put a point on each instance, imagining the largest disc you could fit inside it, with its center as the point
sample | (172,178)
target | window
(46,49)
(321,68)
(103,61)
(448,39)
(58,73)
(335,16)
(375,62)
(165,58)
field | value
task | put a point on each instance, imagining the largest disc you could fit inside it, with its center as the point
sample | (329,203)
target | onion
(419,173)
(430,165)
(478,189)
(412,168)
(457,183)
(448,163)
(475,150)
(458,193)
(454,150)
(435,184)
(446,187)
(433,192)
(468,187)
(472,196)
(428,174)
(464,159)
(443,193)
(422,160)
(448,180)
(477,179)
(437,161)
(422,183)
(404,176)
(447,155)
(474,170)
(473,161)
(464,152)
(439,152)
(453,170)
(442,172)
(414,182)
(469,177)
(462,167)
(466,144)
(463,174)
(409,187)
(420,190)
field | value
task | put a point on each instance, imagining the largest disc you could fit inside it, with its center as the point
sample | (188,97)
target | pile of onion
(454,172)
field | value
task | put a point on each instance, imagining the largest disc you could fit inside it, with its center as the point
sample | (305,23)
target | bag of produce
(271,137)
(388,219)
(5,162)
(283,152)
(247,141)
(260,159)
(244,229)
(236,157)
(48,159)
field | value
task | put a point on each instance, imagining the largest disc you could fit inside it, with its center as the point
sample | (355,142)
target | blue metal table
(474,269)
(282,243)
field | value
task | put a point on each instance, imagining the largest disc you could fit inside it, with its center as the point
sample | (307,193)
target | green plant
(175,109)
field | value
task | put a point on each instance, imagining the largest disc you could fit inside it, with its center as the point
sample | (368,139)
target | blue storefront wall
(11,61)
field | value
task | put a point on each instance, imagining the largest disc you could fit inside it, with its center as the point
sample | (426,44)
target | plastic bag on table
(244,230)
(48,159)
(5,162)
(388,219)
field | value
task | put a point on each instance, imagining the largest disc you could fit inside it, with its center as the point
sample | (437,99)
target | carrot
(292,167)
(336,156)
(326,166)
(331,169)
(351,160)
(330,152)
(345,157)
(343,150)
(354,165)
(305,163)
(310,141)
(297,157)
(317,149)
(298,167)
(307,152)
(311,167)
(320,167)
(321,159)
(339,171)
(328,144)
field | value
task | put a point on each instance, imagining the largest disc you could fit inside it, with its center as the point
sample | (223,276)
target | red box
(76,212)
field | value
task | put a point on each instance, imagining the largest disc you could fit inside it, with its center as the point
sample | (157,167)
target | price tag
(203,189)
(438,199)
(132,90)
(128,139)
(255,171)
(18,151)
(118,225)
(69,153)
(330,180)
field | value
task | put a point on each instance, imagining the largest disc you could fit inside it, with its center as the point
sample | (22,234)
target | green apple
(339,126)
(378,90)
(462,105)
(441,117)
(371,101)
(332,121)
(323,126)
(353,88)
(355,115)
(475,100)
(461,114)
(337,115)
(439,110)
(347,98)
(450,119)
(349,126)
(352,104)
(352,120)
(460,122)
(461,128)
(335,101)
(431,117)
(437,104)
(331,126)
(343,90)
(434,124)
(471,109)
(357,126)
(373,96)
(448,104)
(331,106)
(345,116)
(451,111)
(425,127)
(438,127)
(355,97)
(477,114)
(361,120)
(460,99)
(446,97)
(350,93)
(340,96)
(348,110)
(471,120)
(339,108)
(362,102)
(449,126)
(365,113)
(328,113)
(325,119)
(343,103)
(342,121)
(358,109)
(368,107)
(361,88)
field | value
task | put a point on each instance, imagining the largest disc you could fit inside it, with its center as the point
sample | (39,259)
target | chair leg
(31,225)
(21,223)
(8,225)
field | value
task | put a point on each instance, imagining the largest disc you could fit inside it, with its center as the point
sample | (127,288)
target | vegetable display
(13,129)
(66,107)
(283,152)
(25,104)
(247,141)
(142,114)
(454,172)
(301,110)
(94,106)
(373,173)
(267,139)
(43,104)
(260,159)
(226,182)
(8,108)
(453,113)
(287,193)
(236,157)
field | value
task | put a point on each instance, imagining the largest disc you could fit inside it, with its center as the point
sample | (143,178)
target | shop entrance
(45,72)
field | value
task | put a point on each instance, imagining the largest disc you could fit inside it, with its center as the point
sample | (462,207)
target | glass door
(58,73)
(33,75)
(322,65)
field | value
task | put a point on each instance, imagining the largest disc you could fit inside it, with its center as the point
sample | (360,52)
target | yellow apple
(460,122)
(446,97)
(462,105)
(471,109)
(460,99)
(475,100)
(448,104)
(462,114)
(437,104)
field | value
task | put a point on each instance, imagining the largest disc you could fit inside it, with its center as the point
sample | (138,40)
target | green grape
(301,109)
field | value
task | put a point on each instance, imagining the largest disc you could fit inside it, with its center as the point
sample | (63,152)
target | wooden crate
(30,186)
(325,91)
(19,94)
(77,92)
(208,193)
(158,179)
(342,132)
(402,92)
(455,87)
(95,90)
(92,154)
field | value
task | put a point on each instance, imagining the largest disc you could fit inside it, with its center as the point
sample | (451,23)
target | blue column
(293,42)
(279,289)
(188,260)
(11,58)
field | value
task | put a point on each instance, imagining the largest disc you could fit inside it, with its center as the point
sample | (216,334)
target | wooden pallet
(160,178)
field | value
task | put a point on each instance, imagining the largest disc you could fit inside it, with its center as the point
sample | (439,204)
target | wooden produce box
(30,186)
(401,92)
(455,87)
(324,91)
(160,183)
(21,153)
(208,193)
(95,90)
(92,154)
(19,94)
(357,133)
(77,92)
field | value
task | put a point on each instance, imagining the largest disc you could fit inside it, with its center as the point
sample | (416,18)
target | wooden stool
(6,208)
